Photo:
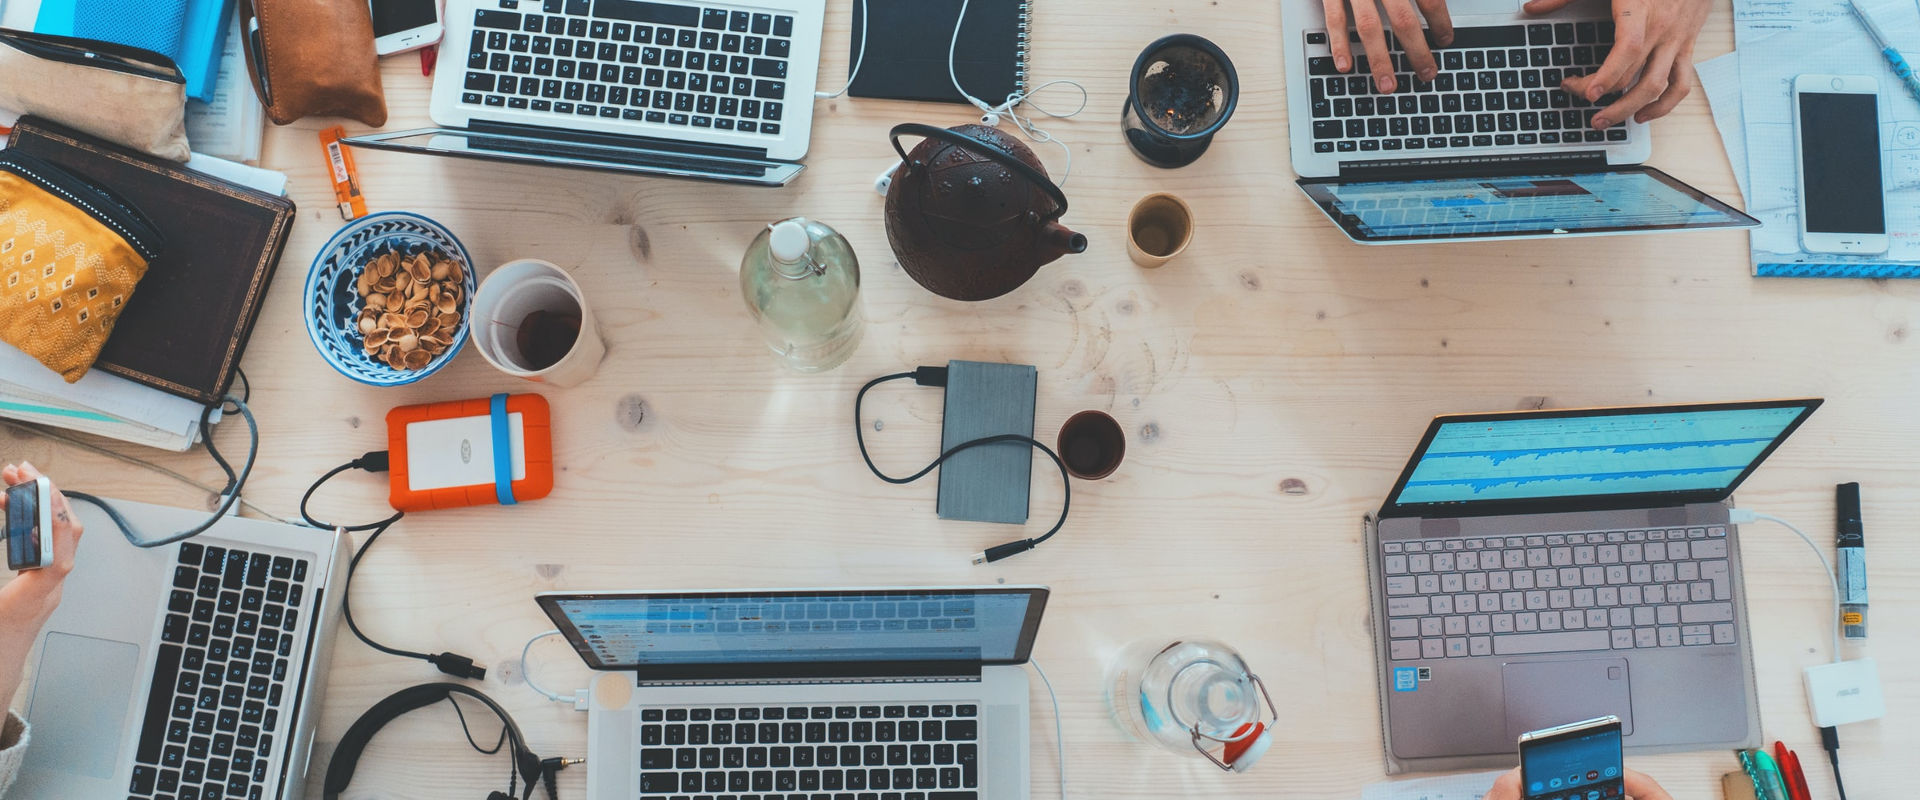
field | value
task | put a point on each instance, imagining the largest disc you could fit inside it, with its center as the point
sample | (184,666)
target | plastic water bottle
(802,283)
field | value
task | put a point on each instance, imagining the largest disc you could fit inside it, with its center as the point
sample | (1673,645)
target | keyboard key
(502,20)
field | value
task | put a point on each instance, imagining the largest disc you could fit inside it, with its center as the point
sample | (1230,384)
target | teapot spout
(1058,240)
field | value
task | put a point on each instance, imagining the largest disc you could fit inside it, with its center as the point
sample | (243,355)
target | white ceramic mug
(520,288)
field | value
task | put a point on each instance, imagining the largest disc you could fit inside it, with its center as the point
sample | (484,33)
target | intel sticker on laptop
(1406,679)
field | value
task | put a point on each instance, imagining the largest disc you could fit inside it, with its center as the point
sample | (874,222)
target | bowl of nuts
(387,298)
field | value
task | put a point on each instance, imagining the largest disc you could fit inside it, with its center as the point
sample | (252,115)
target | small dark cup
(1092,445)
(1183,90)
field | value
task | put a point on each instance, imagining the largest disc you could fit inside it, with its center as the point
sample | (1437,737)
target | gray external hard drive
(989,483)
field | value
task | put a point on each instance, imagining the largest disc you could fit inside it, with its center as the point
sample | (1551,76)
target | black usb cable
(937,376)
(450,663)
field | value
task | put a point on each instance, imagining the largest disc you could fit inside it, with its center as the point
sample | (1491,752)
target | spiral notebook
(907,59)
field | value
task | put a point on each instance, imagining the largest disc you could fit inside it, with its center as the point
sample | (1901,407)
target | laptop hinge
(821,672)
(1484,166)
(598,139)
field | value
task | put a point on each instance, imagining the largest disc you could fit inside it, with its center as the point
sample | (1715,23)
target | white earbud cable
(1059,739)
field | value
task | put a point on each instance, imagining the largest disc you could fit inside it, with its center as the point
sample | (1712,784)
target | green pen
(1766,775)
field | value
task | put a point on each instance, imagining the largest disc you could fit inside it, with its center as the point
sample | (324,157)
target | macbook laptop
(193,670)
(1538,567)
(714,91)
(806,692)
(1490,149)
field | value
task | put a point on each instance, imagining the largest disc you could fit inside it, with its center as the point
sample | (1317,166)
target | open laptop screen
(1613,200)
(795,627)
(1656,456)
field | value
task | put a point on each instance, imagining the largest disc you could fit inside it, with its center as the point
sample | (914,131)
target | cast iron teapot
(971,213)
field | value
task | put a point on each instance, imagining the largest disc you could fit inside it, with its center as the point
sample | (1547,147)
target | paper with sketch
(1463,786)
(1720,79)
(1837,46)
(1754,20)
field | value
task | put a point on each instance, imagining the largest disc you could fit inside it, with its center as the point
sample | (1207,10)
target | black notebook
(907,59)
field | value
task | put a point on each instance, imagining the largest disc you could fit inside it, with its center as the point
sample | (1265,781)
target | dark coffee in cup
(1092,445)
(546,336)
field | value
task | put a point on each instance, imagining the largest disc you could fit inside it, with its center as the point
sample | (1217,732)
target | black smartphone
(1579,761)
(29,524)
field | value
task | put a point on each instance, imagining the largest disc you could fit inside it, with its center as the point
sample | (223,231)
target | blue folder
(191,32)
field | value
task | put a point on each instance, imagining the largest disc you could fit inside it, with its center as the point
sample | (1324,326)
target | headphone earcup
(1243,753)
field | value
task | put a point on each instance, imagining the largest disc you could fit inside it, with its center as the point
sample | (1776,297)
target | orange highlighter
(346,180)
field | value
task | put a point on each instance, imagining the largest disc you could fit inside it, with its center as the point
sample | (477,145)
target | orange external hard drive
(470,452)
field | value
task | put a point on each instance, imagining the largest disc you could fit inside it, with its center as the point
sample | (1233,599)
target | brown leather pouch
(313,58)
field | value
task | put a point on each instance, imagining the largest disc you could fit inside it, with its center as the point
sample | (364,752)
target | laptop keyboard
(848,752)
(220,674)
(1498,86)
(665,63)
(1613,590)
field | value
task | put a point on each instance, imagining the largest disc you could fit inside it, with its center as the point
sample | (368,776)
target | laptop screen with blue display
(1610,201)
(799,627)
(1609,452)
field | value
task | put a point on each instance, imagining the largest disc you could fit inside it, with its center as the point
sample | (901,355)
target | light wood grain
(1271,381)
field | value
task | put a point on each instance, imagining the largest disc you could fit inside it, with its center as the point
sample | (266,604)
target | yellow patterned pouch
(70,255)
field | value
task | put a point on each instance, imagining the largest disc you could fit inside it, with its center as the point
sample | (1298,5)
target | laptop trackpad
(1542,694)
(80,694)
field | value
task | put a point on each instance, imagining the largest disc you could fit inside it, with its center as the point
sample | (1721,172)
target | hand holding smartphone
(1579,761)
(30,524)
(1842,200)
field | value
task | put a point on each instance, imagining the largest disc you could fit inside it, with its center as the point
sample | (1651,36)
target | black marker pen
(1851,545)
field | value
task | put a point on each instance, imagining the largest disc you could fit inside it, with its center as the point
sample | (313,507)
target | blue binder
(191,32)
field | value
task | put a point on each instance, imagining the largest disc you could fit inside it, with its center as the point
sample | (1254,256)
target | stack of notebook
(175,350)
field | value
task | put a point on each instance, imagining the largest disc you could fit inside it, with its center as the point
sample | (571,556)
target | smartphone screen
(1582,764)
(1840,163)
(398,16)
(23,526)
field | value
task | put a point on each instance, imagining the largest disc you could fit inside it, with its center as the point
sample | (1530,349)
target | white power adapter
(1845,692)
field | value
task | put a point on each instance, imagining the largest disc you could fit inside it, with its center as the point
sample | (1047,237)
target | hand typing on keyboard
(1651,66)
(1646,72)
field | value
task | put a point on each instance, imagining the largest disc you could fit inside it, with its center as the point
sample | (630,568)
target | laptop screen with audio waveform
(1602,454)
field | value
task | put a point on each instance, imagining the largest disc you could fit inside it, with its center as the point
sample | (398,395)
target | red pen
(1790,772)
(1800,778)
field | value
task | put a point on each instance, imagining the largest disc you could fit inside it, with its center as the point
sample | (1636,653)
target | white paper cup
(517,289)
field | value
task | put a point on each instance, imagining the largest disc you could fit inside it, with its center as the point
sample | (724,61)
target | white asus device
(806,691)
(169,671)
(713,91)
(1492,148)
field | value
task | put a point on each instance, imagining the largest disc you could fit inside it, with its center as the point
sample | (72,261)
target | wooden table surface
(1271,382)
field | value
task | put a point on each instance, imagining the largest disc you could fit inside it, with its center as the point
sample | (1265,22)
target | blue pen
(1897,61)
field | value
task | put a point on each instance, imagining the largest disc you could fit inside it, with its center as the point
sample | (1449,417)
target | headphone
(346,755)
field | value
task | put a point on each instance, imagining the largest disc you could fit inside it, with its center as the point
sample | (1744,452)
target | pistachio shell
(427,326)
(417,318)
(407,341)
(365,325)
(449,321)
(440,269)
(418,359)
(447,305)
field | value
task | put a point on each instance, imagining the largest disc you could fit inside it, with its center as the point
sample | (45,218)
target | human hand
(1651,66)
(1639,787)
(1406,25)
(30,598)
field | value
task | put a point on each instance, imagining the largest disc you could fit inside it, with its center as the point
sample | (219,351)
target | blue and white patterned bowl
(332,303)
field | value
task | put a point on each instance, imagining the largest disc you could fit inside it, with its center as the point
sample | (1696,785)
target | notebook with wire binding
(910,39)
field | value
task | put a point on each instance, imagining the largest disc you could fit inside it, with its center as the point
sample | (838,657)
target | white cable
(1059,739)
(857,58)
(992,114)
(526,671)
(1826,567)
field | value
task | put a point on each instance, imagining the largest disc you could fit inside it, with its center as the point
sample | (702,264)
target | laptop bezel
(1597,502)
(1309,186)
(776,173)
(789,670)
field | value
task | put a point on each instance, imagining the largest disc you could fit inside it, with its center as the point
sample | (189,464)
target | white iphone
(1843,203)
(402,25)
(30,524)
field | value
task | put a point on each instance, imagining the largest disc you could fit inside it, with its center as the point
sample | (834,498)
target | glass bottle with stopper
(801,282)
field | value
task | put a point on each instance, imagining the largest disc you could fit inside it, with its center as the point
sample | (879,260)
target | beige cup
(510,297)
(1159,228)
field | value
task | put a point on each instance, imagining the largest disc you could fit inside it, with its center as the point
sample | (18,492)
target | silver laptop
(1538,567)
(806,692)
(708,90)
(1490,149)
(190,670)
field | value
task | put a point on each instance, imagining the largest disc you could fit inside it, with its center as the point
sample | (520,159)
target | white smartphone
(1843,206)
(402,25)
(30,524)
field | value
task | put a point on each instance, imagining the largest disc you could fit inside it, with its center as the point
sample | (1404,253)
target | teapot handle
(990,149)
